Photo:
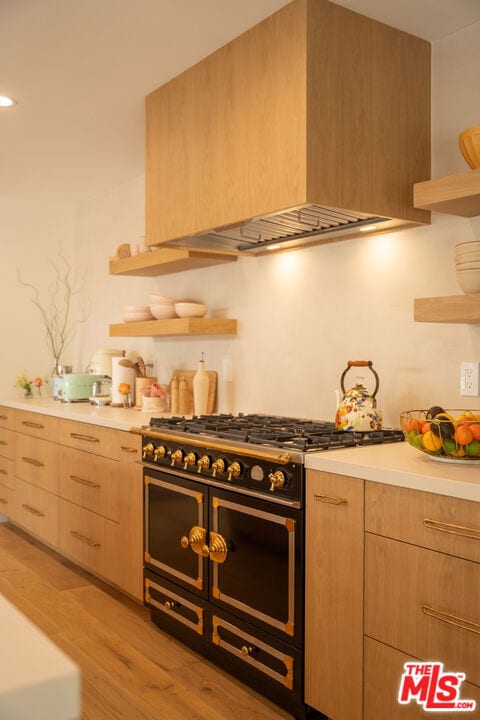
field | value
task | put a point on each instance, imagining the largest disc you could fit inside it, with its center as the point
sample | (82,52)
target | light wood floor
(130,669)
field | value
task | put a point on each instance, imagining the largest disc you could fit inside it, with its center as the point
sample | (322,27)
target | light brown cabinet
(264,123)
(334,595)
(77,487)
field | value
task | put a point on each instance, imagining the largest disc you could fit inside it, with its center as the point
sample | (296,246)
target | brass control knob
(218,466)
(160,452)
(190,460)
(203,463)
(147,450)
(234,470)
(170,604)
(247,650)
(177,456)
(277,480)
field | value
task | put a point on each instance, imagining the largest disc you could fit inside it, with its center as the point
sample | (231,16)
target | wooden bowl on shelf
(469,143)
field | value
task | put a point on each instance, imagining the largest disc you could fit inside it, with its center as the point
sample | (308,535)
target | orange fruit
(463,435)
(425,428)
(475,430)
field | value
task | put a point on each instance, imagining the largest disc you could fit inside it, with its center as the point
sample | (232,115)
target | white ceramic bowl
(469,280)
(163,312)
(467,265)
(190,309)
(464,257)
(161,300)
(132,313)
(470,246)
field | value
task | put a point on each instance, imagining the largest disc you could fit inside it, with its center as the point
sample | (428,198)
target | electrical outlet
(469,378)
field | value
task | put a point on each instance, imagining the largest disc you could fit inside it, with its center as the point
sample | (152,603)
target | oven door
(256,562)
(176,537)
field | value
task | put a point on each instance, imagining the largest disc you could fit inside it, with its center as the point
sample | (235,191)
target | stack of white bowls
(467,266)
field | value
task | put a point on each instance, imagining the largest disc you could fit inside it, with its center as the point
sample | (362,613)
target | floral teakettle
(358,408)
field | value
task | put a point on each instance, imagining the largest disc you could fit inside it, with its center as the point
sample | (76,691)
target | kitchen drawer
(423,602)
(36,511)
(7,443)
(7,417)
(91,540)
(91,438)
(7,472)
(383,670)
(36,424)
(36,461)
(127,446)
(91,481)
(434,521)
(6,501)
(177,604)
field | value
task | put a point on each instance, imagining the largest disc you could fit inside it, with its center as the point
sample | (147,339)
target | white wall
(301,315)
(31,235)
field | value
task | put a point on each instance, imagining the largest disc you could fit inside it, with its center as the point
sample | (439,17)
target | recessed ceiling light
(367,228)
(6,101)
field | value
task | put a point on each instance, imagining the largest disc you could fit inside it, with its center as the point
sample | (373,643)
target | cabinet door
(334,595)
(211,130)
(424,603)
(383,670)
(85,436)
(36,424)
(6,501)
(7,443)
(90,481)
(7,417)
(36,511)
(36,462)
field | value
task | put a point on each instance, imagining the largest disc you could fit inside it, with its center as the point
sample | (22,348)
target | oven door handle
(197,541)
(218,550)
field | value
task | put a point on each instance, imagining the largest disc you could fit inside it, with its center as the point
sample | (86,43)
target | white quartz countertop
(107,416)
(400,464)
(37,680)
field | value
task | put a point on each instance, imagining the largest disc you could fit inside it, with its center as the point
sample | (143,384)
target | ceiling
(80,71)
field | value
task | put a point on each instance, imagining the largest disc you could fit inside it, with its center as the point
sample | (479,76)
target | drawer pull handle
(33,510)
(88,438)
(84,539)
(170,604)
(3,472)
(330,500)
(3,501)
(38,426)
(3,442)
(127,449)
(31,461)
(83,481)
(3,417)
(452,529)
(451,619)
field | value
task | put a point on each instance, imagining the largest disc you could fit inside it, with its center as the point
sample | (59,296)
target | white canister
(121,374)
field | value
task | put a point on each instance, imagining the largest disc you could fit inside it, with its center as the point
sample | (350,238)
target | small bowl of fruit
(445,435)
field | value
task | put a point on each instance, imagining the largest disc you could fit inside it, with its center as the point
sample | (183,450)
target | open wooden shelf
(164,261)
(454,194)
(450,309)
(175,326)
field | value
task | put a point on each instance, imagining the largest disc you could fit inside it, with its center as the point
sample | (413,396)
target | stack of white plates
(467,266)
(136,313)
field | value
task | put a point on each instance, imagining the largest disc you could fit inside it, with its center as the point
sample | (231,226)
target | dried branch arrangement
(56,310)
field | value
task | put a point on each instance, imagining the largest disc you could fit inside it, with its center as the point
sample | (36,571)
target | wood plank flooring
(130,669)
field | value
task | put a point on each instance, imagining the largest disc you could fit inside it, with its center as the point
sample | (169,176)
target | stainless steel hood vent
(292,228)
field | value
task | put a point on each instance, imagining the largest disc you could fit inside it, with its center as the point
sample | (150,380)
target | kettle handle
(360,363)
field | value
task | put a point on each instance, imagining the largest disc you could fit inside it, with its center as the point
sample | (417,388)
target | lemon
(431,442)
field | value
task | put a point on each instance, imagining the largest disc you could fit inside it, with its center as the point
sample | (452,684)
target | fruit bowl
(448,435)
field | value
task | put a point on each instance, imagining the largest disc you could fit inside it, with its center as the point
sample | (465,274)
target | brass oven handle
(37,463)
(452,529)
(88,438)
(247,650)
(196,540)
(282,459)
(38,426)
(218,549)
(170,604)
(330,499)
(128,449)
(83,481)
(84,539)
(32,510)
(451,619)
(3,501)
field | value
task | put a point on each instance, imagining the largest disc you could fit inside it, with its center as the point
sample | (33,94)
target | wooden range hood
(309,126)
